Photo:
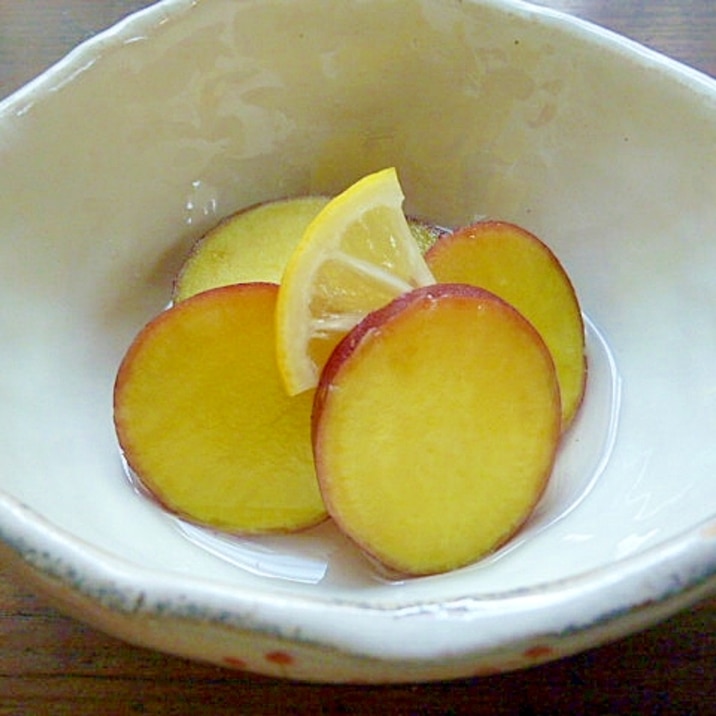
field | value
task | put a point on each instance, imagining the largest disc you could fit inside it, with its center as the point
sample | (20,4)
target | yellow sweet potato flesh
(204,422)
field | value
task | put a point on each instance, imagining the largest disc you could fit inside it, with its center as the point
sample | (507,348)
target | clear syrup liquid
(323,555)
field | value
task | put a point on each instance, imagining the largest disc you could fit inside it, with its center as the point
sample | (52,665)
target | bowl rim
(644,587)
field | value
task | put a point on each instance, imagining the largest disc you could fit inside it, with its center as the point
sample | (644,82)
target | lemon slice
(356,255)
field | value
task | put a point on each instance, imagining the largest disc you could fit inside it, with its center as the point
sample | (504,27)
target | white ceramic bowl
(116,158)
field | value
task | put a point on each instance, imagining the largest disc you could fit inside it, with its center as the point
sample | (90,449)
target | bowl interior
(137,143)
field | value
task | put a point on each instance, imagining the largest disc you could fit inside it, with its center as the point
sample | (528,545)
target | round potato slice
(519,267)
(435,427)
(204,421)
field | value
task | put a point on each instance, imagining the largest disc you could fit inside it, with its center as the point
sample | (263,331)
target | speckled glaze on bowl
(118,157)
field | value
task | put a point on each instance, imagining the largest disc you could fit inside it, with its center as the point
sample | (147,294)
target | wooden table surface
(50,664)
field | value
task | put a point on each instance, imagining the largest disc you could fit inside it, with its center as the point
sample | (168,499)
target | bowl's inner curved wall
(114,164)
